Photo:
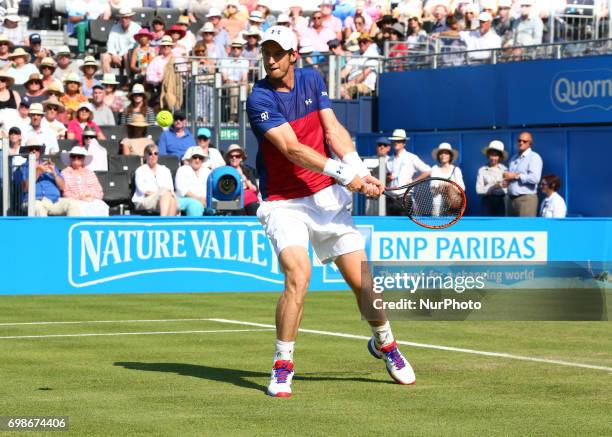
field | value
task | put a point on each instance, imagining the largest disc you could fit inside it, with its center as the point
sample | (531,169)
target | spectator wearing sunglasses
(154,187)
(523,178)
(49,184)
(53,108)
(191,180)
(235,156)
(9,98)
(81,184)
(318,34)
(38,130)
(83,118)
(99,155)
(177,139)
(553,205)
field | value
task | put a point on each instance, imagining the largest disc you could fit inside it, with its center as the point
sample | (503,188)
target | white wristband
(352,159)
(341,172)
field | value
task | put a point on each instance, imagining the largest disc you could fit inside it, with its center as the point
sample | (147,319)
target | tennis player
(306,194)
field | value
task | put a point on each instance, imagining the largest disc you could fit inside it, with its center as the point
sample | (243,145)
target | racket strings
(434,203)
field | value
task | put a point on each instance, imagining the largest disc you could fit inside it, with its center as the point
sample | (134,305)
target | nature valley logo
(108,251)
(580,89)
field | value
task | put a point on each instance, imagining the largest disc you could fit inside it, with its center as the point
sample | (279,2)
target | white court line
(432,346)
(83,322)
(114,334)
(309,331)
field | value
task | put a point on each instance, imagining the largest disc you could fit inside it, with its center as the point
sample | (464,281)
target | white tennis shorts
(322,218)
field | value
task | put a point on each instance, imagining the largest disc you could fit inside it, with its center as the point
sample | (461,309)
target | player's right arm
(284,139)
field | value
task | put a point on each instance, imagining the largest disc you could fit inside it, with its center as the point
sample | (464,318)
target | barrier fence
(440,53)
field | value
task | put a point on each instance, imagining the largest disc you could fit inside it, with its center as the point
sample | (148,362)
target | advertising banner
(545,92)
(155,255)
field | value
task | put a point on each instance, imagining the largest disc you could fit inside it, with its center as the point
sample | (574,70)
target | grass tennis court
(207,377)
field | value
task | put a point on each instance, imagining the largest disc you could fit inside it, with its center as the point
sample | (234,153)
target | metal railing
(215,94)
(441,56)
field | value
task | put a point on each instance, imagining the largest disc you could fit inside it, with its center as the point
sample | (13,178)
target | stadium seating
(117,190)
(144,16)
(115,133)
(98,33)
(154,133)
(124,163)
(171,162)
(111,146)
(169,15)
(66,144)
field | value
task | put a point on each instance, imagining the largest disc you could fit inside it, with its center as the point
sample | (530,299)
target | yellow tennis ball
(164,118)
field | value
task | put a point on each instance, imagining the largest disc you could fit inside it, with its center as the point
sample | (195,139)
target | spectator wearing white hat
(251,50)
(21,68)
(528,29)
(233,23)
(65,66)
(72,97)
(88,81)
(490,178)
(214,48)
(138,105)
(446,156)
(36,129)
(80,12)
(504,22)
(154,186)
(155,70)
(12,28)
(482,40)
(120,40)
(235,71)
(81,184)
(403,167)
(82,119)
(221,36)
(190,182)
(256,18)
(99,155)
(49,184)
(265,8)
(113,98)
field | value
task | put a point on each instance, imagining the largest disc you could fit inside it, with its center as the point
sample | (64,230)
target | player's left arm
(341,143)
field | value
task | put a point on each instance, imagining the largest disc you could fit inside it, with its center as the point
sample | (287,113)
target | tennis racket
(434,203)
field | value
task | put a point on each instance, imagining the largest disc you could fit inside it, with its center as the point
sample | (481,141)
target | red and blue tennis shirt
(279,178)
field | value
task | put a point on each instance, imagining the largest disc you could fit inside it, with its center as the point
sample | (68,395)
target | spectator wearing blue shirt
(523,177)
(49,185)
(440,14)
(176,140)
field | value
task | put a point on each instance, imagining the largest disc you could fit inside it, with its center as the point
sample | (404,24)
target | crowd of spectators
(72,94)
(510,190)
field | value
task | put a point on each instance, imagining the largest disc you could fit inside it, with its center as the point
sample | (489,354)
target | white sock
(382,334)
(284,350)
